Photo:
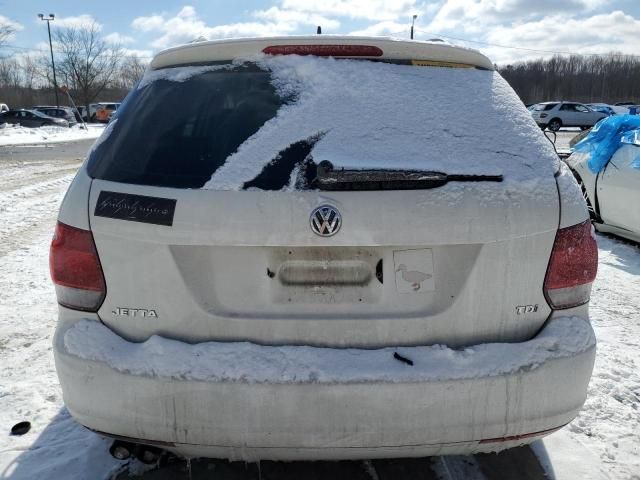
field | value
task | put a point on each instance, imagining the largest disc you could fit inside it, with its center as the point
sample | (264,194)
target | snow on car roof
(391,49)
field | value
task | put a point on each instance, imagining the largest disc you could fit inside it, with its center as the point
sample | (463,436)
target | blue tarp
(607,137)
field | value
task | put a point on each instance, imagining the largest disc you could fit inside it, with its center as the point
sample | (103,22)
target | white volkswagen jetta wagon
(321,248)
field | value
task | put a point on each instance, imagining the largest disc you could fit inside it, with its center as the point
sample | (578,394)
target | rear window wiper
(328,178)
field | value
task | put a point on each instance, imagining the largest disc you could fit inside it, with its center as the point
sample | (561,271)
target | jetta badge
(325,220)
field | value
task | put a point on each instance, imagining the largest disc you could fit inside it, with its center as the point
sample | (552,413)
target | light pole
(49,19)
(412,23)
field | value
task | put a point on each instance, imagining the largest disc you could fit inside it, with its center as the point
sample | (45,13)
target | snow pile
(247,362)
(18,135)
(379,115)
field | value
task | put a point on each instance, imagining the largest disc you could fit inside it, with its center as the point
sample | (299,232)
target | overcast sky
(144,27)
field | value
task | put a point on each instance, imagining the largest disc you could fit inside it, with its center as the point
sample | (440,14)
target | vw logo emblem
(325,220)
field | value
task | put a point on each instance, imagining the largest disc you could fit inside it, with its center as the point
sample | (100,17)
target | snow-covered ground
(18,135)
(603,442)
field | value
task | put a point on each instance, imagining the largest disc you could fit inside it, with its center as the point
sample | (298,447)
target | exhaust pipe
(121,450)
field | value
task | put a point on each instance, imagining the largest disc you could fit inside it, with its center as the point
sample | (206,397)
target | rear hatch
(205,184)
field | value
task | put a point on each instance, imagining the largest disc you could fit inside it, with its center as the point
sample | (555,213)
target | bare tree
(87,63)
(596,78)
(131,70)
(32,74)
(6,30)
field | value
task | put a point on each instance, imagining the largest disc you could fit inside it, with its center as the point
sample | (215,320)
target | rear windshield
(543,107)
(266,124)
(177,134)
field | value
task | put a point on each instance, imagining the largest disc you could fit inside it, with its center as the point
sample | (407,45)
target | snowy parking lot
(602,443)
(18,135)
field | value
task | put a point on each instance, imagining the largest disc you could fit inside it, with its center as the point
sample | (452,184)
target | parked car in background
(83,113)
(555,115)
(4,107)
(610,175)
(58,112)
(88,117)
(104,110)
(31,118)
(337,289)
(93,108)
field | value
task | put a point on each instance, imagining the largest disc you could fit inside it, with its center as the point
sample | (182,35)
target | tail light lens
(75,269)
(572,267)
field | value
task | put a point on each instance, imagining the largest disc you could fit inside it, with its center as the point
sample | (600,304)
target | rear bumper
(445,403)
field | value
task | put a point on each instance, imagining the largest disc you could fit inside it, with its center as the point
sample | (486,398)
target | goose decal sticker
(414,270)
(413,277)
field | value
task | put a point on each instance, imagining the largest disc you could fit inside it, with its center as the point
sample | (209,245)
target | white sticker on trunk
(414,270)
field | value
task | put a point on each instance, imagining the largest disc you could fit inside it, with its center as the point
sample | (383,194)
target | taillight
(572,267)
(75,269)
(324,50)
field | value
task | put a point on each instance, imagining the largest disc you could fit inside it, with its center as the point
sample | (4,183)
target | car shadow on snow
(514,464)
(65,449)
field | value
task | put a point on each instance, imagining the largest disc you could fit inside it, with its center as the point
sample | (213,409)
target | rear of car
(59,112)
(541,111)
(301,262)
(105,110)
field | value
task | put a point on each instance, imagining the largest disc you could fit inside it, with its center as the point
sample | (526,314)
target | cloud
(574,26)
(581,26)
(288,17)
(78,21)
(186,25)
(279,16)
(388,28)
(602,33)
(377,10)
(142,54)
(117,38)
(148,24)
(471,13)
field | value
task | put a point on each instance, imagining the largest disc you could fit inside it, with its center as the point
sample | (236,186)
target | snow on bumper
(252,401)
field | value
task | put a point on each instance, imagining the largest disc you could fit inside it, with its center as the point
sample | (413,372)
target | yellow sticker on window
(437,63)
